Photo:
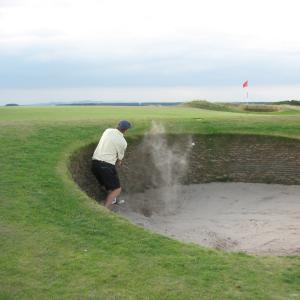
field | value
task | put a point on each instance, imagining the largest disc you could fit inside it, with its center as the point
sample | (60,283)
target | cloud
(117,24)
(153,68)
(68,44)
(10,3)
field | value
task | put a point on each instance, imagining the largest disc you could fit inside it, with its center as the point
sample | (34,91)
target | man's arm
(121,147)
(120,153)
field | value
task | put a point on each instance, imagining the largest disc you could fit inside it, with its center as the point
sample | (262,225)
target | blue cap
(124,125)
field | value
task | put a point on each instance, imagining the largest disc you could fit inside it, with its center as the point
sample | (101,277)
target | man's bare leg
(111,196)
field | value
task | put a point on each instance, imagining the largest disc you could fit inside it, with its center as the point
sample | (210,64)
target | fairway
(58,243)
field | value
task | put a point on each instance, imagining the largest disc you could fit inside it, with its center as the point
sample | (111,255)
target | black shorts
(106,174)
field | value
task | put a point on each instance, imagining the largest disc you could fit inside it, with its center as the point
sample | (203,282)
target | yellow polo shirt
(111,146)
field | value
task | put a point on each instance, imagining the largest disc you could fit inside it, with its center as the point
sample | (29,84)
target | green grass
(56,243)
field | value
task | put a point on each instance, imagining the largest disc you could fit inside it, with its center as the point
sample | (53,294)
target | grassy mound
(203,104)
(230,107)
(57,243)
(261,108)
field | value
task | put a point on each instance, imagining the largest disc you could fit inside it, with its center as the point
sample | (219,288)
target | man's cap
(124,125)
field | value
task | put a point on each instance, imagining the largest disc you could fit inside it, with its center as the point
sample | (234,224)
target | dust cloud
(171,161)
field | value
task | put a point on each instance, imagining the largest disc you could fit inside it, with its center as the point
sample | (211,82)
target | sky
(158,50)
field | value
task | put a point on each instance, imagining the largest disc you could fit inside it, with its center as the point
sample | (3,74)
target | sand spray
(171,160)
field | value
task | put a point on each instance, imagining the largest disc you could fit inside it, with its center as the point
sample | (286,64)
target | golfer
(109,153)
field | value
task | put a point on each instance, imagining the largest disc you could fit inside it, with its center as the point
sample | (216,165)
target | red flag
(245,84)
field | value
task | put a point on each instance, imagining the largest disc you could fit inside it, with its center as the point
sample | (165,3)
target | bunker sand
(254,218)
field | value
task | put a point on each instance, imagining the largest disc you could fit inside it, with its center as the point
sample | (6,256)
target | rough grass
(261,108)
(248,108)
(56,243)
(203,104)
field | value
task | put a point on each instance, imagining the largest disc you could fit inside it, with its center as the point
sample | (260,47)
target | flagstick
(245,85)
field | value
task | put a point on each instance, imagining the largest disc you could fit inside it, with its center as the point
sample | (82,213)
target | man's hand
(119,163)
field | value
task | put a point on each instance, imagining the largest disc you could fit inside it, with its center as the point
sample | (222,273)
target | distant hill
(87,103)
(11,104)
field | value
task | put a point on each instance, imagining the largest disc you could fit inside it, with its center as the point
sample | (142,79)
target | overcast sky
(159,50)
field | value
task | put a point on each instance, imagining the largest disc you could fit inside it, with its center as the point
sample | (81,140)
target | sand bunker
(253,218)
(170,184)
